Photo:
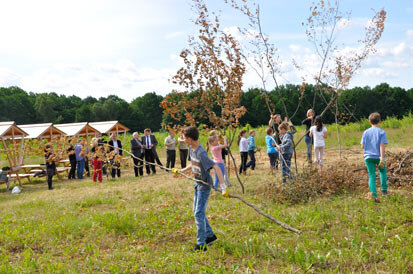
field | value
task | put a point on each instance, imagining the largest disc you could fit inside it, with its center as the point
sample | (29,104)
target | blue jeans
(203,228)
(80,168)
(308,142)
(222,167)
(286,166)
(251,163)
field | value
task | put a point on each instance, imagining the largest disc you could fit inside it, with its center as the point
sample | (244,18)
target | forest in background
(145,111)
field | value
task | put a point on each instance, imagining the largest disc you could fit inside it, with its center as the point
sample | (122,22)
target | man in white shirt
(149,142)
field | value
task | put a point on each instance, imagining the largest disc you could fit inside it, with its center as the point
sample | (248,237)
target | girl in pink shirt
(216,150)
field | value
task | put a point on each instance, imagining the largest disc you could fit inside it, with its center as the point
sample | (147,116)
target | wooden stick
(402,162)
(284,225)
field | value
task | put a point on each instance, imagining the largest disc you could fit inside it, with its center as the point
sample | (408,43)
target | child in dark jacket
(72,158)
(50,164)
(286,148)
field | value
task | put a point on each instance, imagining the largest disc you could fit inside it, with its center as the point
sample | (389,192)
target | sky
(131,47)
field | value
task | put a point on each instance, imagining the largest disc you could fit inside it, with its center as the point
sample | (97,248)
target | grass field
(146,225)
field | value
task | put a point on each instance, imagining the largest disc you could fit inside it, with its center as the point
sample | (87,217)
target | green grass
(146,225)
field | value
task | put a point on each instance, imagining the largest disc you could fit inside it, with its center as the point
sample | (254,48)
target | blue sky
(130,47)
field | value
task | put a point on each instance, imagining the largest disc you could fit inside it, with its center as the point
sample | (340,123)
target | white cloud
(343,23)
(378,72)
(122,78)
(409,33)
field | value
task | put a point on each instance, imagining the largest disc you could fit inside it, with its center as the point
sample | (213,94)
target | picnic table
(31,170)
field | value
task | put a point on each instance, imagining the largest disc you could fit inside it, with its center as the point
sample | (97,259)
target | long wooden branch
(282,224)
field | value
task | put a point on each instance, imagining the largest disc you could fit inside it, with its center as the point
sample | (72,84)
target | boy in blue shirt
(201,166)
(373,142)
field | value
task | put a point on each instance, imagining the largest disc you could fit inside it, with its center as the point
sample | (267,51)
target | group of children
(279,148)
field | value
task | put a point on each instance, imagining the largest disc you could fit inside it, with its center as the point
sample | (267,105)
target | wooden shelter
(42,131)
(109,127)
(11,135)
(78,129)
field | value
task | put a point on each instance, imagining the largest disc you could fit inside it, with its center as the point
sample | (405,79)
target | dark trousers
(183,155)
(149,158)
(138,166)
(156,157)
(87,166)
(251,163)
(170,158)
(50,172)
(72,171)
(115,169)
(244,159)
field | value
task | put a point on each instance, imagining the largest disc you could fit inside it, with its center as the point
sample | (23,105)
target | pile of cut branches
(400,169)
(339,179)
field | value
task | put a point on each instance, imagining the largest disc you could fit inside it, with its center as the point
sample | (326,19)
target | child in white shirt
(318,132)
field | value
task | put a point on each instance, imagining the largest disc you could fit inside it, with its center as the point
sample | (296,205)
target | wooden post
(10,158)
(14,146)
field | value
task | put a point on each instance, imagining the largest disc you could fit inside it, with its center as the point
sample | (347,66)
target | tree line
(145,111)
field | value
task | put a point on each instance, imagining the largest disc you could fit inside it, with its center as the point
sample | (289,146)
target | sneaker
(211,240)
(372,197)
(384,193)
(199,248)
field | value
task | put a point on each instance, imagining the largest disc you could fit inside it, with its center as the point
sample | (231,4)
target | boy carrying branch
(201,165)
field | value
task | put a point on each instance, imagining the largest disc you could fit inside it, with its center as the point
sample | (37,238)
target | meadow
(146,225)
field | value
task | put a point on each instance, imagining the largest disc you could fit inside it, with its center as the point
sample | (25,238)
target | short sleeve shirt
(269,141)
(217,154)
(318,136)
(372,139)
(201,165)
(169,140)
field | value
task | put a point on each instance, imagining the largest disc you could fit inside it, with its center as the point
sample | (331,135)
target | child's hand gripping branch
(223,186)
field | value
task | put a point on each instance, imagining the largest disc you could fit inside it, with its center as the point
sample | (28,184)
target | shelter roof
(77,129)
(9,130)
(109,127)
(46,130)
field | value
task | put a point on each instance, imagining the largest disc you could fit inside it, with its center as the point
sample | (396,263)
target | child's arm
(382,163)
(382,151)
(225,145)
(186,168)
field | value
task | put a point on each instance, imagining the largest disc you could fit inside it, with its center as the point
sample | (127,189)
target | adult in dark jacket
(50,165)
(155,154)
(137,152)
(274,122)
(308,122)
(149,142)
(72,159)
(116,146)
